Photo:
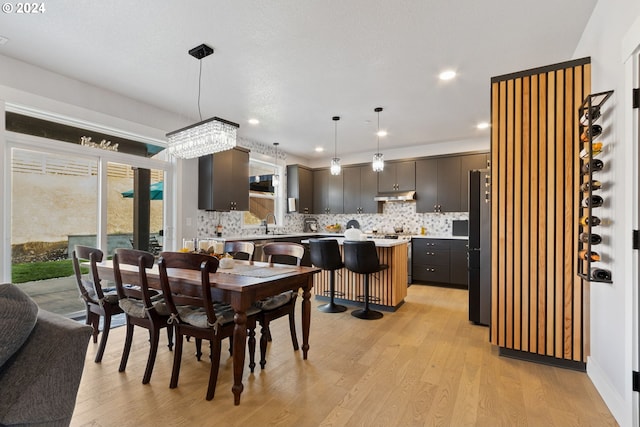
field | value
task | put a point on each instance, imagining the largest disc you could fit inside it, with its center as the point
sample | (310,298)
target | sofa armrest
(40,382)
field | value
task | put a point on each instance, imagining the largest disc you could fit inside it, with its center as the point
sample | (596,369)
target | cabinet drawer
(430,244)
(430,273)
(431,257)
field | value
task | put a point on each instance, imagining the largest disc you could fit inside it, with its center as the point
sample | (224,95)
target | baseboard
(616,403)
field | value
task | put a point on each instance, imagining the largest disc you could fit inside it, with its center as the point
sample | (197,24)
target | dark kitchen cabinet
(468,163)
(397,176)
(459,265)
(223,181)
(360,189)
(300,187)
(327,192)
(439,261)
(438,184)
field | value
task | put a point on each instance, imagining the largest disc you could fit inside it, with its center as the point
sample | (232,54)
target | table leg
(306,317)
(239,344)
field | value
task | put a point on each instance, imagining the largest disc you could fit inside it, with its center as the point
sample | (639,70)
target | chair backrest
(177,295)
(325,254)
(361,256)
(90,290)
(138,287)
(288,249)
(240,250)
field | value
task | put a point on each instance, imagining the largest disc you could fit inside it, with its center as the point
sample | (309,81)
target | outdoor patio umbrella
(155,189)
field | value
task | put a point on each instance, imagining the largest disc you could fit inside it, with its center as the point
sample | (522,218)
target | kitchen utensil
(398,230)
(353,224)
(353,234)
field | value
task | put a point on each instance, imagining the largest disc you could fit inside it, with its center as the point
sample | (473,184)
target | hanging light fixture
(378,158)
(207,136)
(275,179)
(335,162)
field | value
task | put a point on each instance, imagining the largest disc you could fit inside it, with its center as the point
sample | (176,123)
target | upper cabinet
(442,183)
(397,176)
(360,189)
(300,187)
(327,192)
(223,181)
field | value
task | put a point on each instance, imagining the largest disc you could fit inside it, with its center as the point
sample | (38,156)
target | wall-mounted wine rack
(589,114)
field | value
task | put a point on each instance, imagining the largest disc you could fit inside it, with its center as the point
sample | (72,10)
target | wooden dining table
(240,286)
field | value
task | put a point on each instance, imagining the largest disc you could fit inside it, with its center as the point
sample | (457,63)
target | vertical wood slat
(538,301)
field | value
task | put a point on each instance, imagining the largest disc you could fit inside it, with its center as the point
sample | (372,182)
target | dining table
(240,286)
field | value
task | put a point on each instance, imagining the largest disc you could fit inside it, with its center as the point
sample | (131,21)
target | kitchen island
(388,288)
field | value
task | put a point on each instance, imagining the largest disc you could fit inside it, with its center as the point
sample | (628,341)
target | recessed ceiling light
(447,75)
(253,121)
(482,125)
(381,132)
(319,149)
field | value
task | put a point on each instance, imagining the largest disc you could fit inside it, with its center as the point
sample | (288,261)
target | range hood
(396,196)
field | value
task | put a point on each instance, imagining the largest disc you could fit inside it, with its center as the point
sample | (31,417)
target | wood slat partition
(537,299)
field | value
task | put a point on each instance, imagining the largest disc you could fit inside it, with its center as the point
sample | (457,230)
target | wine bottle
(589,255)
(596,148)
(594,201)
(593,114)
(590,133)
(600,274)
(591,221)
(596,239)
(593,166)
(591,185)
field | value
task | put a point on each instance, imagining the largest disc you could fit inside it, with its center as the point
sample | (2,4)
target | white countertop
(393,242)
(436,236)
(381,243)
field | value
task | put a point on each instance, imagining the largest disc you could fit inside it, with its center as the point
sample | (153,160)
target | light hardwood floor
(423,365)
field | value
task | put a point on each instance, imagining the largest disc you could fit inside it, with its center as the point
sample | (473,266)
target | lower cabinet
(440,261)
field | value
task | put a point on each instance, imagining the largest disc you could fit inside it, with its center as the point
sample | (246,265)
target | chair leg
(198,349)
(177,359)
(366,313)
(215,365)
(292,328)
(252,348)
(332,307)
(127,347)
(170,337)
(154,337)
(103,339)
(94,321)
(263,344)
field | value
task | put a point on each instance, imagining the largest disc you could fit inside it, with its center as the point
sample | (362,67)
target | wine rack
(589,235)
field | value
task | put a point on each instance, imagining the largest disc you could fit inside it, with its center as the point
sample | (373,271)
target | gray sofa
(42,355)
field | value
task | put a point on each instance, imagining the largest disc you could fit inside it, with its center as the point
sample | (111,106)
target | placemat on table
(256,271)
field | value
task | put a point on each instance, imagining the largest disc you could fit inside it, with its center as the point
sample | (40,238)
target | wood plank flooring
(424,365)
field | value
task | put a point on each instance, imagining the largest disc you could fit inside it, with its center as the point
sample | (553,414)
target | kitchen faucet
(266,222)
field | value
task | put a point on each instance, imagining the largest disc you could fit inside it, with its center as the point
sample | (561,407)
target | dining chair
(240,250)
(98,302)
(195,312)
(283,304)
(143,307)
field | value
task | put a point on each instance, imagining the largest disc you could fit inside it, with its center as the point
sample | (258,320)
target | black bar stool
(361,257)
(325,254)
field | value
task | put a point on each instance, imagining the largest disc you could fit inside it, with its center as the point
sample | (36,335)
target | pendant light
(275,179)
(335,162)
(378,158)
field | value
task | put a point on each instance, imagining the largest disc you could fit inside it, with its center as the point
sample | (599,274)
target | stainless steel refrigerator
(480,247)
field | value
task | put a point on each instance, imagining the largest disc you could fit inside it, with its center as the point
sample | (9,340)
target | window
(263,195)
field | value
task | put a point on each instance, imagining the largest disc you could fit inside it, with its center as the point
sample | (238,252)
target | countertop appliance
(479,256)
(310,225)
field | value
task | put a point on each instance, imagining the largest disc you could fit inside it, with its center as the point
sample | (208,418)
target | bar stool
(325,254)
(362,258)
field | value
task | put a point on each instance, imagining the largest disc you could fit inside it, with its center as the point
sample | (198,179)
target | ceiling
(293,64)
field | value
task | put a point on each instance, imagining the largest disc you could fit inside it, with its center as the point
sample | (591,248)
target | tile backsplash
(400,214)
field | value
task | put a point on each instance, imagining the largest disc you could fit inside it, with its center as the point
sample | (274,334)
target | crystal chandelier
(275,179)
(207,136)
(335,162)
(378,158)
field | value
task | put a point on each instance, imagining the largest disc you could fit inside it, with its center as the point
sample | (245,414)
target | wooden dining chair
(240,250)
(143,307)
(98,302)
(196,313)
(283,304)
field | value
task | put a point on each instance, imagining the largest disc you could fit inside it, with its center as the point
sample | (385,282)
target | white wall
(611,305)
